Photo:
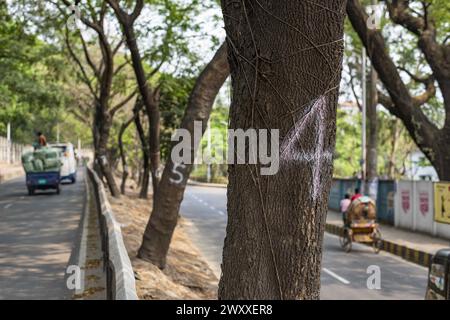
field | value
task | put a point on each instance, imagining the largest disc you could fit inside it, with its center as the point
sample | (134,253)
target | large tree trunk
(286,60)
(170,192)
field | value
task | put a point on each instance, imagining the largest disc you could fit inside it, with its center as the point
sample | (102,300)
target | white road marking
(334,275)
(8,206)
(209,206)
(389,255)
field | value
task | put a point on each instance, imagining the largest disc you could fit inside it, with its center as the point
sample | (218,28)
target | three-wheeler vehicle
(361,225)
(43,181)
(438,287)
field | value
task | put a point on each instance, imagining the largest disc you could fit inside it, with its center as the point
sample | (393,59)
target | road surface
(37,235)
(344,275)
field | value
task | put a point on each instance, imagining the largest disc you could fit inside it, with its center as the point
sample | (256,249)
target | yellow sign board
(442,202)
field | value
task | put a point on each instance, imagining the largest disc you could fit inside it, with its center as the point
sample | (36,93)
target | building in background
(420,168)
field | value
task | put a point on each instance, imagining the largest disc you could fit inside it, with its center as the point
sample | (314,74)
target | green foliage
(31,95)
(404,51)
(219,145)
(348,144)
(175,93)
(391,131)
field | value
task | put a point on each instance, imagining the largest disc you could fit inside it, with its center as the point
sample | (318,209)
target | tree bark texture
(285,59)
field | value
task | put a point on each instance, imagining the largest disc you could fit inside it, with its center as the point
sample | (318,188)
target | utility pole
(57,133)
(371,186)
(363,129)
(208,172)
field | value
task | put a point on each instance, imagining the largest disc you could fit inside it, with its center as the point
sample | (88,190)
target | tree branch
(398,12)
(430,92)
(421,129)
(123,102)
(85,77)
(90,62)
(414,77)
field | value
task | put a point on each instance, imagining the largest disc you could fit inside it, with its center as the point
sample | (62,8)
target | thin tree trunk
(150,101)
(154,144)
(135,172)
(372,141)
(283,80)
(394,144)
(144,179)
(169,195)
(123,156)
(149,96)
(102,125)
(140,172)
(107,170)
(96,137)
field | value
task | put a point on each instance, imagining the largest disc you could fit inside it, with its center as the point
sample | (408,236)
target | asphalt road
(37,235)
(344,275)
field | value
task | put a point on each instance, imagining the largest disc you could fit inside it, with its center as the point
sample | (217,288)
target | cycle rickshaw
(360,225)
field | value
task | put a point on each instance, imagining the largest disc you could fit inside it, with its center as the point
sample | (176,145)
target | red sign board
(406,200)
(424,202)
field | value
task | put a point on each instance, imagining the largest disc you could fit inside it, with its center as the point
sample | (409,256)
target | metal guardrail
(120,280)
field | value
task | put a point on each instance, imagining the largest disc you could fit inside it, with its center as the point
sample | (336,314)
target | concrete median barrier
(120,276)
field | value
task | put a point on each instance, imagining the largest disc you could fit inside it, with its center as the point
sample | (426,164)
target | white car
(69,167)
